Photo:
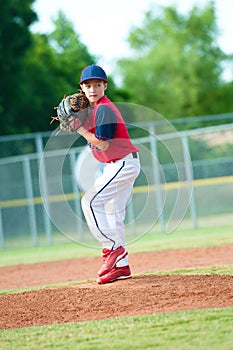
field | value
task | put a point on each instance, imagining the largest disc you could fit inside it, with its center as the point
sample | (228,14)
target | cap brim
(98,78)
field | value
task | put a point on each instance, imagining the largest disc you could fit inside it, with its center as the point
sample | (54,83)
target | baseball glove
(72,112)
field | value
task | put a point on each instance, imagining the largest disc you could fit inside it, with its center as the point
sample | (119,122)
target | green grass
(211,270)
(151,241)
(189,330)
(44,253)
(181,239)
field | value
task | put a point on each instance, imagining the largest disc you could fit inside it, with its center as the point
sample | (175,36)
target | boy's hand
(72,112)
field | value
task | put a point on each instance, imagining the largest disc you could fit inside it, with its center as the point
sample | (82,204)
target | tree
(71,54)
(16,16)
(51,68)
(40,88)
(176,68)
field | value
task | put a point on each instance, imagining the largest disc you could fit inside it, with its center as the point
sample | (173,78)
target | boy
(105,203)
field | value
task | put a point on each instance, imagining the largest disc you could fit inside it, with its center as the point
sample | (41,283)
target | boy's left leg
(104,208)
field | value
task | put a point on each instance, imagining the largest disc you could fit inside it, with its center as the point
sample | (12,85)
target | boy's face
(94,89)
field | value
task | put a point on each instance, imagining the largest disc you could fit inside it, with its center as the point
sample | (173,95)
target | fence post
(41,168)
(1,231)
(131,218)
(77,198)
(30,205)
(189,175)
(158,194)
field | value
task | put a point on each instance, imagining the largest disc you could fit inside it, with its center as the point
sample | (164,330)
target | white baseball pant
(104,205)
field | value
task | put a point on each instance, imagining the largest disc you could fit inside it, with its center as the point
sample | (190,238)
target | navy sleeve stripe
(106,122)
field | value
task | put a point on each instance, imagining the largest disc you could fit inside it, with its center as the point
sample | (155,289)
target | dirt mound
(136,296)
(139,295)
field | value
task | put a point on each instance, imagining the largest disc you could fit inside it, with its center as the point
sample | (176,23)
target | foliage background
(176,66)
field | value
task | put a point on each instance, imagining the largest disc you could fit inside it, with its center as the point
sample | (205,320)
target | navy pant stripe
(91,202)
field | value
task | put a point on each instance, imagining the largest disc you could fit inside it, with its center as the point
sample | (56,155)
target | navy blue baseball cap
(92,72)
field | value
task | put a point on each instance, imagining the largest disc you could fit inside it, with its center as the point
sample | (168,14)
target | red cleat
(117,273)
(110,258)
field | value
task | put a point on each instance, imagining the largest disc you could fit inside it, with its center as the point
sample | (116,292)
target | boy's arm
(103,145)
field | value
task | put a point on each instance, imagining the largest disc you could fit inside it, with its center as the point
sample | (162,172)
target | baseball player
(104,205)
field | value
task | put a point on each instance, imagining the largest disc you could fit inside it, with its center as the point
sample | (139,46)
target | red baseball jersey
(107,123)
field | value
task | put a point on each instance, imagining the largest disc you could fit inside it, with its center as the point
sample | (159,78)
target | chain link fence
(33,190)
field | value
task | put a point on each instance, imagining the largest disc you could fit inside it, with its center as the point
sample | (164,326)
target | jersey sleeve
(106,122)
